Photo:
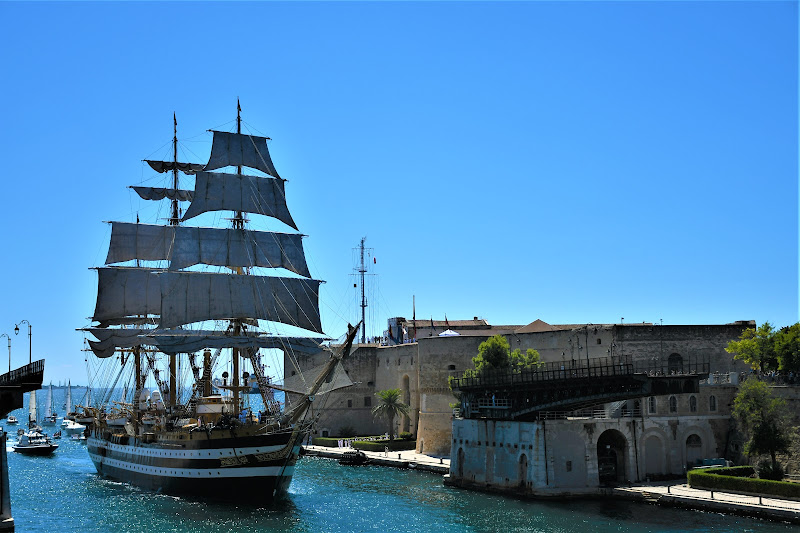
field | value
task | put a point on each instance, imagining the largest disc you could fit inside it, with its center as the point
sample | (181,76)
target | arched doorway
(460,464)
(612,448)
(407,401)
(694,450)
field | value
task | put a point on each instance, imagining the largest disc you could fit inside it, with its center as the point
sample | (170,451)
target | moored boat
(354,458)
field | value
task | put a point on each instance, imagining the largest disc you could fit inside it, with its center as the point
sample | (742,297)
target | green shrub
(767,471)
(711,479)
(405,435)
(380,445)
(325,441)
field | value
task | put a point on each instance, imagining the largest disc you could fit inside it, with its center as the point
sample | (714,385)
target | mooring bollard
(398,456)
(712,494)
(759,500)
(441,462)
(668,487)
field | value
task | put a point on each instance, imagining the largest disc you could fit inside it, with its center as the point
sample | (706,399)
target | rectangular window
(569,466)
(367,401)
(349,403)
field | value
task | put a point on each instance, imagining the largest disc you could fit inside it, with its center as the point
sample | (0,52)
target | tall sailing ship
(169,295)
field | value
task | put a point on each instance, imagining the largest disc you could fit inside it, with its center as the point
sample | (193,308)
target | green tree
(787,348)
(493,355)
(756,347)
(764,419)
(389,406)
(523,361)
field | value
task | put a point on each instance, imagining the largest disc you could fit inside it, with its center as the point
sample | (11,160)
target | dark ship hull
(219,464)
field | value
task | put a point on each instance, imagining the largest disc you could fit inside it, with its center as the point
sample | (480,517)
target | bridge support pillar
(6,520)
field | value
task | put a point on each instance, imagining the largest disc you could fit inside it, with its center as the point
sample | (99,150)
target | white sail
(193,343)
(236,192)
(124,292)
(111,339)
(48,402)
(236,149)
(182,341)
(166,166)
(197,296)
(32,411)
(187,246)
(159,193)
(68,400)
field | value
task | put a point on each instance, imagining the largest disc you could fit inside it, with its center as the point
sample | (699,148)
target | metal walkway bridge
(572,385)
(17,382)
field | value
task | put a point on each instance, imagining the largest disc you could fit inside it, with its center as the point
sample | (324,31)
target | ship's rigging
(177,291)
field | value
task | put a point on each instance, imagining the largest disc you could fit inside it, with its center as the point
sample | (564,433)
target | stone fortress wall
(421,369)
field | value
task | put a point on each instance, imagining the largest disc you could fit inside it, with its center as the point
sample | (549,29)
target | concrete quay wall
(562,456)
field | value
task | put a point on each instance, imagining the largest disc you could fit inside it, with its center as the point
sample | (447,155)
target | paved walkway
(400,459)
(683,495)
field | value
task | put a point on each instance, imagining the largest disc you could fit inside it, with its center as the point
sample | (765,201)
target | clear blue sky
(574,162)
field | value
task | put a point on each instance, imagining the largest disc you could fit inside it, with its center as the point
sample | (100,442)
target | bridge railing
(554,370)
(24,374)
(597,367)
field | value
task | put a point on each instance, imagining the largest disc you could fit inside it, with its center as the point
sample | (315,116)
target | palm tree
(390,406)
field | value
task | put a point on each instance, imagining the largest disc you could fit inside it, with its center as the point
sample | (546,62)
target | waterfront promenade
(398,459)
(664,493)
(682,495)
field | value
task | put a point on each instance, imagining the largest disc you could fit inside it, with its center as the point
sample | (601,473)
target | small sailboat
(12,419)
(32,411)
(69,413)
(50,417)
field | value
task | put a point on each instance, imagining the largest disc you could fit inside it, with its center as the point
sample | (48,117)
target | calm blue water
(63,493)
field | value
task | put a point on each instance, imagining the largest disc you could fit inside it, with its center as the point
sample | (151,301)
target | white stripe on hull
(155,451)
(238,472)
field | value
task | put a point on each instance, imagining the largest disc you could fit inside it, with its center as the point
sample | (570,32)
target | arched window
(451,367)
(675,363)
(693,404)
(673,404)
(712,403)
(651,405)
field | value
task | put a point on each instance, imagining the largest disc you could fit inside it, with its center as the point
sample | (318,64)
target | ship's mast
(363,271)
(174,222)
(238,223)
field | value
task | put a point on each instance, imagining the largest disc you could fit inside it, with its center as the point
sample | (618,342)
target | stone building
(579,454)
(420,367)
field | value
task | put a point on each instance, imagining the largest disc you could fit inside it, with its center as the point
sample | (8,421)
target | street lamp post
(9,349)
(30,348)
